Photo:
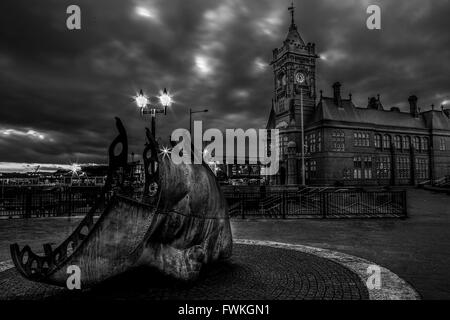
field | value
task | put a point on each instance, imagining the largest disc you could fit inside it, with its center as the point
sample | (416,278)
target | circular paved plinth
(254,272)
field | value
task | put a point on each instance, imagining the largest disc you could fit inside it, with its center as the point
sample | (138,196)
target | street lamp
(190,117)
(143,103)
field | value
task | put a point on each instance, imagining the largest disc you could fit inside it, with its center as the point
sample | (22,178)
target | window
(367,167)
(347,174)
(383,167)
(281,106)
(398,142)
(425,144)
(406,142)
(306,145)
(403,167)
(338,140)
(357,168)
(319,141)
(311,169)
(361,139)
(377,141)
(386,141)
(283,144)
(442,144)
(281,81)
(422,168)
(312,142)
(416,143)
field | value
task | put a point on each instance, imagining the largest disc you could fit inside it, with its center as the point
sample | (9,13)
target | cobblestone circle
(254,272)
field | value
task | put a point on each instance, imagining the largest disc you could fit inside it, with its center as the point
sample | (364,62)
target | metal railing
(282,203)
(27,202)
(316,203)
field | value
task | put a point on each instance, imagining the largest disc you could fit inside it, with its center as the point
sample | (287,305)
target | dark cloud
(68,85)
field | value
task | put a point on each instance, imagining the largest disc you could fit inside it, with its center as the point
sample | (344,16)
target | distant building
(346,144)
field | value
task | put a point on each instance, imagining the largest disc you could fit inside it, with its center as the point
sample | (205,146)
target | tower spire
(292,10)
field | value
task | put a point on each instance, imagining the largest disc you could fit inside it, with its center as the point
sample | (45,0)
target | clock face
(299,77)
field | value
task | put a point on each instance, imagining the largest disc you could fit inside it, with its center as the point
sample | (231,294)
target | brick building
(344,143)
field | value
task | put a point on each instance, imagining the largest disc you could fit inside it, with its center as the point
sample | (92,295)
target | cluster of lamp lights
(142,100)
(165,100)
(143,103)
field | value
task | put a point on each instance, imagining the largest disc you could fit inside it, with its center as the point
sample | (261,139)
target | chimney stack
(413,106)
(337,94)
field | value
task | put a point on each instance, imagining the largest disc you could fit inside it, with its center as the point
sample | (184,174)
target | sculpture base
(253,272)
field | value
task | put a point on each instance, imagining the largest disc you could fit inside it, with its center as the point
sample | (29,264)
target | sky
(60,89)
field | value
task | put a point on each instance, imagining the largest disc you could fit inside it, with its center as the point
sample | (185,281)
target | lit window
(416,143)
(406,142)
(357,168)
(377,141)
(383,167)
(398,142)
(367,167)
(442,144)
(361,139)
(338,140)
(386,141)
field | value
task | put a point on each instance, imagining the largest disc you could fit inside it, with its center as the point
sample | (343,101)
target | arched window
(416,143)
(406,142)
(425,144)
(281,80)
(398,142)
(377,141)
(386,141)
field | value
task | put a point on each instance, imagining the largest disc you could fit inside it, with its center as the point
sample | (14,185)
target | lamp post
(190,117)
(303,138)
(142,101)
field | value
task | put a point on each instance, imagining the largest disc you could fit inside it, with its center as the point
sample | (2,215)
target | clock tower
(294,67)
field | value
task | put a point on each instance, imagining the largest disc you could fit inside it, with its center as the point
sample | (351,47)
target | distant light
(323,57)
(445,102)
(74,168)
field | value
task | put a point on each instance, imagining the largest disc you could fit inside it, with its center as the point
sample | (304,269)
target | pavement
(254,272)
(416,249)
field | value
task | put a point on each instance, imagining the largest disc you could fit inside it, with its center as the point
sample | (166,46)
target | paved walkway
(254,272)
(417,249)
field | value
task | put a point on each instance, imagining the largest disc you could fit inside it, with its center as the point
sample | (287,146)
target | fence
(314,203)
(27,202)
